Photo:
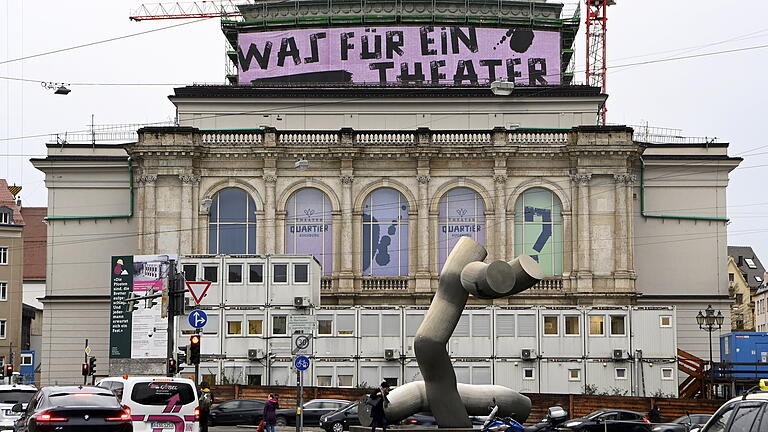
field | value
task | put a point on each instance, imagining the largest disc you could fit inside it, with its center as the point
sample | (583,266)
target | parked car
(741,414)
(608,420)
(73,409)
(684,423)
(10,395)
(312,410)
(341,419)
(420,419)
(237,412)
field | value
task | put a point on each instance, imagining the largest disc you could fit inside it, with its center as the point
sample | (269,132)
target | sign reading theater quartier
(458,55)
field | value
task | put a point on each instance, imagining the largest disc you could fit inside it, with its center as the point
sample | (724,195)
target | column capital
(270,178)
(189,178)
(423,178)
(146,178)
(581,179)
(627,179)
(500,178)
(346,179)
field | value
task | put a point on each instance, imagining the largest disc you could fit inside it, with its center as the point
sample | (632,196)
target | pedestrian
(270,408)
(378,401)
(206,400)
(654,415)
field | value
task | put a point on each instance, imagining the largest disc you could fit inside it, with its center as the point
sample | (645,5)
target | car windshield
(16,396)
(84,399)
(349,407)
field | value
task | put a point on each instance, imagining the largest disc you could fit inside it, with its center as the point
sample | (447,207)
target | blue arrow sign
(198,318)
(302,363)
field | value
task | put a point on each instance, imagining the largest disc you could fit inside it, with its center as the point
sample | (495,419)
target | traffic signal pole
(85,361)
(173,279)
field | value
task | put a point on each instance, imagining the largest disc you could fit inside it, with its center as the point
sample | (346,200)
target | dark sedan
(608,420)
(73,409)
(683,424)
(312,410)
(237,412)
(340,420)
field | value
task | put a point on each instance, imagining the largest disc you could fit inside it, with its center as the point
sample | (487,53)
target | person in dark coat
(270,418)
(206,400)
(378,402)
(654,415)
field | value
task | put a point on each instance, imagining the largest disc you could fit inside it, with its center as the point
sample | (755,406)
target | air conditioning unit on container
(391,354)
(527,354)
(255,354)
(618,354)
(302,302)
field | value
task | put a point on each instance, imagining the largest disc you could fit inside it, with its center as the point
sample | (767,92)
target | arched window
(462,213)
(308,226)
(385,233)
(539,229)
(232,225)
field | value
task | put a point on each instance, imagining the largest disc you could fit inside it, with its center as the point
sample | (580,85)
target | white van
(158,403)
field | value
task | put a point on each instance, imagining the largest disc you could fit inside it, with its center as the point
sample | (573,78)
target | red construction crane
(596,40)
(184,10)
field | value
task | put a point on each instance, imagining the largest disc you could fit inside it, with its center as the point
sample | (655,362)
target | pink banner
(435,54)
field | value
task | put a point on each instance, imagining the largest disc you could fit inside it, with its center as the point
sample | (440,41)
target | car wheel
(281,421)
(337,427)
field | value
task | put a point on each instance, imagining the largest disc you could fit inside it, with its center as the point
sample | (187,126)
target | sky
(719,96)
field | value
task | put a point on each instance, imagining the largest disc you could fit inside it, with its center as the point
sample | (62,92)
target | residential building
(35,249)
(745,277)
(761,306)
(11,276)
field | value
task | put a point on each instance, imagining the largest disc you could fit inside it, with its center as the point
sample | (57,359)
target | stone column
(500,182)
(423,245)
(185,215)
(348,246)
(149,213)
(269,213)
(623,232)
(195,209)
(583,234)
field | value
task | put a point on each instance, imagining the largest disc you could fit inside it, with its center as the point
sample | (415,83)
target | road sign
(198,290)
(301,363)
(301,343)
(198,318)
(87,350)
(305,323)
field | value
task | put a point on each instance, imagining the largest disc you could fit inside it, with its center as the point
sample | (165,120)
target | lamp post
(708,321)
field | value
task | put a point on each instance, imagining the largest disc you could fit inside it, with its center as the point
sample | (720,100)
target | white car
(158,404)
(9,396)
(747,413)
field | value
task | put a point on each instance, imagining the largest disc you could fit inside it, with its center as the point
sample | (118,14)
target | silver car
(10,395)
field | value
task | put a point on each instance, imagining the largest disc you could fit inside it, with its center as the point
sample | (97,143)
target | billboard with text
(426,54)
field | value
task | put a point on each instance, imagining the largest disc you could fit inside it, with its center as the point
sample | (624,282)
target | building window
(6,216)
(324,380)
(211,273)
(280,273)
(539,229)
(26,359)
(256,273)
(596,325)
(529,373)
(254,380)
(620,373)
(300,273)
(550,325)
(750,263)
(617,325)
(255,326)
(325,325)
(758,279)
(232,223)
(345,325)
(739,298)
(667,374)
(3,291)
(2,329)
(345,380)
(279,325)
(190,272)
(234,326)
(572,325)
(309,226)
(730,277)
(574,374)
(665,321)
(385,233)
(236,273)
(3,255)
(462,214)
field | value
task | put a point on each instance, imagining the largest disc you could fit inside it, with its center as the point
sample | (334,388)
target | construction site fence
(577,405)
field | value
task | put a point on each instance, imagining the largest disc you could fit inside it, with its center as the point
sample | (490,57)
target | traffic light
(86,369)
(194,350)
(92,366)
(9,370)
(172,369)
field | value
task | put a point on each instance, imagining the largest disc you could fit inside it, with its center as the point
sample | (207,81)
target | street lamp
(708,321)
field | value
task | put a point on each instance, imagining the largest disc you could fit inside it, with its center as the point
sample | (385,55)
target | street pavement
(253,428)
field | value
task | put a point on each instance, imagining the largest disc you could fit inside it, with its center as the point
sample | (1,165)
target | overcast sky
(717,96)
